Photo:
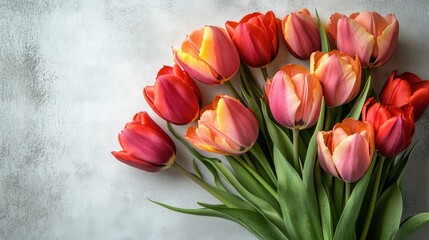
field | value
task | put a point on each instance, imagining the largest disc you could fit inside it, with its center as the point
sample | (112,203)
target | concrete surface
(72,74)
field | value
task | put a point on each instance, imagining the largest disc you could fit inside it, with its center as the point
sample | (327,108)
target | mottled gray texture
(71,75)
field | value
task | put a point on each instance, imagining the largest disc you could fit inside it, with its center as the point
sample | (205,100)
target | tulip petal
(420,99)
(325,155)
(138,163)
(394,136)
(197,68)
(386,44)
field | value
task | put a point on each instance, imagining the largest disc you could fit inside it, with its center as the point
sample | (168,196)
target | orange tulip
(208,55)
(339,74)
(226,127)
(175,97)
(301,34)
(393,126)
(367,34)
(346,151)
(406,88)
(294,96)
(145,145)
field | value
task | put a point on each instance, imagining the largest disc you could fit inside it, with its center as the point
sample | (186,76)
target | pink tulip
(406,88)
(225,127)
(175,97)
(301,33)
(367,34)
(208,55)
(145,145)
(255,37)
(346,151)
(294,96)
(339,74)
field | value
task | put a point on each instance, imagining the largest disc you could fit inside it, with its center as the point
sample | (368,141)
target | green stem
(347,194)
(296,162)
(248,160)
(264,73)
(233,91)
(373,199)
(328,119)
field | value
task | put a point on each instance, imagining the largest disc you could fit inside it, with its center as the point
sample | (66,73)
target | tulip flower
(339,74)
(255,37)
(226,127)
(145,145)
(294,96)
(175,97)
(406,88)
(301,34)
(347,150)
(367,34)
(393,126)
(208,55)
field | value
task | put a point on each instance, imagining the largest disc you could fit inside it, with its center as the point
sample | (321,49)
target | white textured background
(71,75)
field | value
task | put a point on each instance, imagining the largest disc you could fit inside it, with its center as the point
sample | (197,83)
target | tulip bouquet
(303,154)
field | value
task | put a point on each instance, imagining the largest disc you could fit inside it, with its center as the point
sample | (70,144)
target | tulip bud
(175,97)
(145,145)
(226,127)
(294,96)
(255,37)
(367,34)
(406,88)
(301,34)
(339,74)
(346,151)
(393,126)
(208,55)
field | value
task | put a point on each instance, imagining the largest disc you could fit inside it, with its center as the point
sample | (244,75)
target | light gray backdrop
(72,74)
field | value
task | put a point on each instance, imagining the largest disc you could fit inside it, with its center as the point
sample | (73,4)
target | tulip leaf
(396,171)
(358,105)
(346,224)
(324,43)
(411,224)
(325,206)
(387,214)
(196,169)
(299,208)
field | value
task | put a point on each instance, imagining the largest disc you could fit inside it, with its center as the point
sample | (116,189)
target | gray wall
(71,75)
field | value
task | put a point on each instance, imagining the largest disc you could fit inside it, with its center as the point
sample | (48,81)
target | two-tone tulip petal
(339,74)
(406,88)
(255,37)
(145,145)
(208,55)
(346,151)
(393,126)
(294,96)
(301,34)
(226,127)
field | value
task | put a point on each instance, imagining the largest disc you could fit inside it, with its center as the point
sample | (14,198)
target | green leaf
(299,207)
(346,224)
(411,224)
(196,169)
(325,206)
(323,39)
(358,105)
(396,171)
(387,214)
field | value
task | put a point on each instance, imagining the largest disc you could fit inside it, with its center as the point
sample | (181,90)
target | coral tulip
(339,74)
(367,34)
(393,126)
(175,97)
(226,127)
(255,37)
(294,96)
(145,145)
(301,34)
(208,55)
(346,151)
(406,88)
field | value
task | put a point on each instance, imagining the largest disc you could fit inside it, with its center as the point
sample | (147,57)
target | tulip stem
(373,198)
(233,91)
(264,73)
(296,162)
(347,194)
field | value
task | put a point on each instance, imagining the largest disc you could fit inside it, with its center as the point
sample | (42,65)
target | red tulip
(346,151)
(175,97)
(301,33)
(393,126)
(208,55)
(406,88)
(294,96)
(367,34)
(255,37)
(226,127)
(145,145)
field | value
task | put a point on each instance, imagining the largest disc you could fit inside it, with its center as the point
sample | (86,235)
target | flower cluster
(307,147)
